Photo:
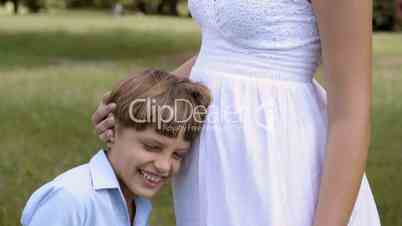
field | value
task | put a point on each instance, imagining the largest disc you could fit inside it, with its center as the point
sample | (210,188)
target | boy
(157,117)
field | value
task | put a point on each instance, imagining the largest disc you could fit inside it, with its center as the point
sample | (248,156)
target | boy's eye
(178,156)
(150,147)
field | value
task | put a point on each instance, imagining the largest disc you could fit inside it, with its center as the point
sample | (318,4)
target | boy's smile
(145,160)
(152,180)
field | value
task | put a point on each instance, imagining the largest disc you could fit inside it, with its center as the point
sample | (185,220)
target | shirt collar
(102,173)
(103,177)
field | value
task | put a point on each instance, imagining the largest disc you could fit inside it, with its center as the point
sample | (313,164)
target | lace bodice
(284,30)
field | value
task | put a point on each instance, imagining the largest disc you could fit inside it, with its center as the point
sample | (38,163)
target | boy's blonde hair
(149,99)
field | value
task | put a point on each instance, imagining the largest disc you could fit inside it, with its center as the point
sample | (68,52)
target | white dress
(260,155)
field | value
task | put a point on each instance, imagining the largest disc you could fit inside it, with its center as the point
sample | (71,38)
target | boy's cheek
(176,168)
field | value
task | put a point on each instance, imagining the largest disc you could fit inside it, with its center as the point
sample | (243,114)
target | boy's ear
(113,136)
(112,139)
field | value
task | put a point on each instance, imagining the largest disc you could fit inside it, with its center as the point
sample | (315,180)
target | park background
(57,58)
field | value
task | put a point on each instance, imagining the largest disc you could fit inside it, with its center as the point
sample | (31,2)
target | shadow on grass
(43,48)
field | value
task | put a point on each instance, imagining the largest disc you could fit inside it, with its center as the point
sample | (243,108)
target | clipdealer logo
(165,113)
(235,116)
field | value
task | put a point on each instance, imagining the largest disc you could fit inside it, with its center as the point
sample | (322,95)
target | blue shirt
(88,195)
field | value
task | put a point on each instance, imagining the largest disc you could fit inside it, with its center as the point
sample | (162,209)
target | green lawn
(54,69)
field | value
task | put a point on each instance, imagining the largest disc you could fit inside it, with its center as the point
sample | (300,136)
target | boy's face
(144,160)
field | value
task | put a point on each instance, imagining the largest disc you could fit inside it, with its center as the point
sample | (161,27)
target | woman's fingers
(105,125)
(102,112)
(102,119)
(106,97)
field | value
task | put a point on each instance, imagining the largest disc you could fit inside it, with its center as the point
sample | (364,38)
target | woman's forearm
(344,166)
(184,70)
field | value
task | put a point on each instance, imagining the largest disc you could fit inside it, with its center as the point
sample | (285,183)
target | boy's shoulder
(80,181)
(69,191)
(77,181)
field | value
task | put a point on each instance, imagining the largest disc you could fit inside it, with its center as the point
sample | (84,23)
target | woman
(274,151)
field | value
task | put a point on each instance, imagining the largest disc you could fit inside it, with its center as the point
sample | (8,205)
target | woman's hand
(102,119)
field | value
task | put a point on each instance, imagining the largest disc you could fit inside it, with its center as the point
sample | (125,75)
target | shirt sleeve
(53,206)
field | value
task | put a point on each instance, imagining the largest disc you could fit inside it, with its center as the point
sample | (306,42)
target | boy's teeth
(154,179)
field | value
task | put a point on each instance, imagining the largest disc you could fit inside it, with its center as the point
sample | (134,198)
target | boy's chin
(147,190)
(146,193)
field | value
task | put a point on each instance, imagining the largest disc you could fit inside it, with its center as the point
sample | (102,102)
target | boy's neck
(129,199)
(128,196)
(131,211)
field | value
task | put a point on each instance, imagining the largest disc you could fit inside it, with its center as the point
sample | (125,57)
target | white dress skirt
(259,159)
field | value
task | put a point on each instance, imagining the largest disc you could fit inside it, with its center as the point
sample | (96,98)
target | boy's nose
(163,165)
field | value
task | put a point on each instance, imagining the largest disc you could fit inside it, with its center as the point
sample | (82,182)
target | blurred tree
(104,4)
(169,7)
(16,5)
(73,4)
(398,14)
(172,6)
(384,14)
(33,5)
(140,5)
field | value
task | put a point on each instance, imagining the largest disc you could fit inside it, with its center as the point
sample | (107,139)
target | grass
(54,68)
(53,71)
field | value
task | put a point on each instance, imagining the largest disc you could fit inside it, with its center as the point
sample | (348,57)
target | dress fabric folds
(259,158)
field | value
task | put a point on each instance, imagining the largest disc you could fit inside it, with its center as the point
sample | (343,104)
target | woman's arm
(102,120)
(345,30)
